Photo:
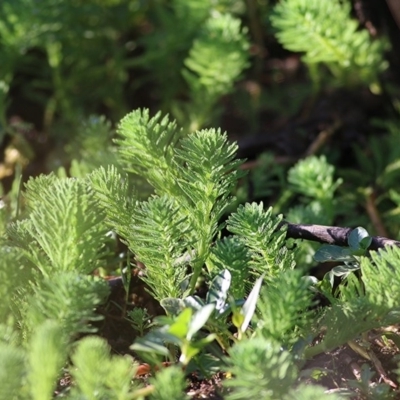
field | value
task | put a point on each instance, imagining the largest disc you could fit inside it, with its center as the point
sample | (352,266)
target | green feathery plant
(375,297)
(75,76)
(216,60)
(92,147)
(374,180)
(61,241)
(167,46)
(263,369)
(258,230)
(313,178)
(199,48)
(176,234)
(168,384)
(50,296)
(285,319)
(17,34)
(96,371)
(312,183)
(193,179)
(326,33)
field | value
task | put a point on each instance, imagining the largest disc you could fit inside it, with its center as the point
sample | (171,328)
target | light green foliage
(14,274)
(194,177)
(313,181)
(47,354)
(313,177)
(11,371)
(326,33)
(195,51)
(99,375)
(346,313)
(146,147)
(167,46)
(69,298)
(376,298)
(113,192)
(217,58)
(381,278)
(16,35)
(92,147)
(232,254)
(175,233)
(282,308)
(169,384)
(65,230)
(198,43)
(310,392)
(207,173)
(261,369)
(60,240)
(158,221)
(139,319)
(258,230)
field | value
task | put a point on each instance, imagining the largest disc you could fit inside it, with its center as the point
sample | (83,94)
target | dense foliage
(162,201)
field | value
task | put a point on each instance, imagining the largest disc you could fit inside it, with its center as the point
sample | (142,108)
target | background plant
(313,27)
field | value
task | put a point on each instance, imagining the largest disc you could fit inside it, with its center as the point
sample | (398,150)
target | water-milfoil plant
(259,310)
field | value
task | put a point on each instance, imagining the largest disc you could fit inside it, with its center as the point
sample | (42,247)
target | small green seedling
(217,296)
(179,331)
(358,241)
(241,318)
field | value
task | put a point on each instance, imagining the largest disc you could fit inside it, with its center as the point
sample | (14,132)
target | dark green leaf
(329,252)
(172,306)
(357,236)
(341,270)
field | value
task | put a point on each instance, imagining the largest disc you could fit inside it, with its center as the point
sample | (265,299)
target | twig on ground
(394,7)
(322,138)
(331,235)
(316,233)
(373,213)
